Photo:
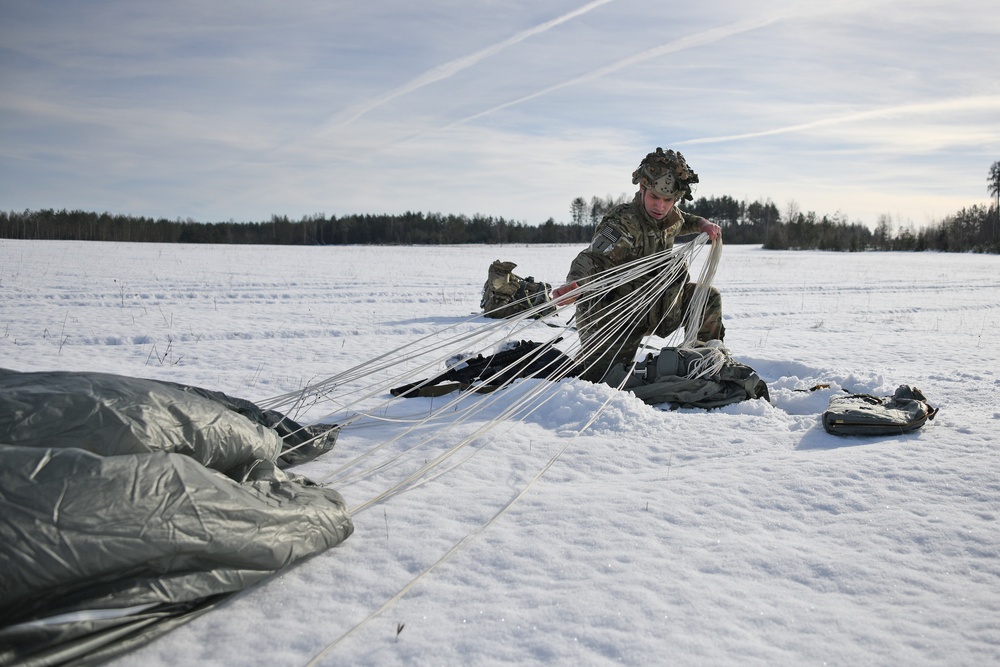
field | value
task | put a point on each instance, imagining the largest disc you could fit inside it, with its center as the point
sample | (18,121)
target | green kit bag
(506,294)
(863,414)
(699,377)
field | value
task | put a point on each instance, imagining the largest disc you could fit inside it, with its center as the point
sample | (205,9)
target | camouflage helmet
(667,174)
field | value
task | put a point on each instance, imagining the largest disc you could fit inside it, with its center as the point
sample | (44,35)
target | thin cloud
(691,41)
(453,67)
(976,103)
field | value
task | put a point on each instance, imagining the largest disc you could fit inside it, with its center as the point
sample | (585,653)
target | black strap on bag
(525,359)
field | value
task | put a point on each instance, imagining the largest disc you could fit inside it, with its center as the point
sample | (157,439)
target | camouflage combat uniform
(628,233)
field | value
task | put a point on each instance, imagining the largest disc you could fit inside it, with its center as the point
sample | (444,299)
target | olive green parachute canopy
(129,506)
(667,174)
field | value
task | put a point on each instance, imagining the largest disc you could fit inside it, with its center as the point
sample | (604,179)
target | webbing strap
(433,390)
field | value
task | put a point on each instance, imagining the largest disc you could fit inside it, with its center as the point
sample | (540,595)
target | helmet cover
(667,174)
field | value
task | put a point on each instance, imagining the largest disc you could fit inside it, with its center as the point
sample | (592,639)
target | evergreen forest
(973,229)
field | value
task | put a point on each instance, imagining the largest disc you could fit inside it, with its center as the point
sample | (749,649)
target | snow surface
(745,535)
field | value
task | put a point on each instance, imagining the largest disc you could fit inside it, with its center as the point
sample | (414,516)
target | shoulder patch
(605,239)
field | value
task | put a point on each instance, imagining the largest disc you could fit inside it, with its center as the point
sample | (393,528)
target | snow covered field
(745,535)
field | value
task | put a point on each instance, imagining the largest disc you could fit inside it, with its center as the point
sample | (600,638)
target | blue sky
(240,110)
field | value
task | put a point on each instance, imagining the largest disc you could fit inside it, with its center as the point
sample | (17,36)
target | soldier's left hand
(713,230)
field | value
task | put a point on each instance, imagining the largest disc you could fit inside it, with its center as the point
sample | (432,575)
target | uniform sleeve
(612,245)
(692,223)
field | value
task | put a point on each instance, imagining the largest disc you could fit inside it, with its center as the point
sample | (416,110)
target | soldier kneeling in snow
(632,231)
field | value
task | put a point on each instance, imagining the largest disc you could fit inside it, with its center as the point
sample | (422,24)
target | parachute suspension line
(344,416)
(530,401)
(671,266)
(444,558)
(298,398)
(595,288)
(519,408)
(642,303)
(450,407)
(455,418)
(655,288)
(666,267)
(382,362)
(484,333)
(711,361)
(407,352)
(695,314)
(460,544)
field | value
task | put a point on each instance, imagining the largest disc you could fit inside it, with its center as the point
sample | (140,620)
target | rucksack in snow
(520,359)
(506,294)
(863,414)
(704,377)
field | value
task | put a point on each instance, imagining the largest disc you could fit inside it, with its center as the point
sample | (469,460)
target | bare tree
(578,208)
(994,183)
(792,211)
(993,186)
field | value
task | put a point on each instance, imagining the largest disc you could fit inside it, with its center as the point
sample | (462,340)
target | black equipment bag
(524,359)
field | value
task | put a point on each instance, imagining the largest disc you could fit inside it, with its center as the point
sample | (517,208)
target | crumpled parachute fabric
(129,506)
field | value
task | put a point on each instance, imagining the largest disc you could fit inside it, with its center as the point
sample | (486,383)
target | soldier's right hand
(558,292)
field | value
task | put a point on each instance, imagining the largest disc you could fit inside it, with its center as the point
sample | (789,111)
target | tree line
(972,229)
(406,229)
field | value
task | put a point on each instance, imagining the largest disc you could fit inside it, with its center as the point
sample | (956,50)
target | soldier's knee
(714,301)
(712,326)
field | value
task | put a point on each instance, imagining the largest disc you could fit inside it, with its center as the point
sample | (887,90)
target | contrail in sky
(697,39)
(962,104)
(453,67)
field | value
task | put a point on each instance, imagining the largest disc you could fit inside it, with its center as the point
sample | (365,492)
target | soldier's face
(656,206)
